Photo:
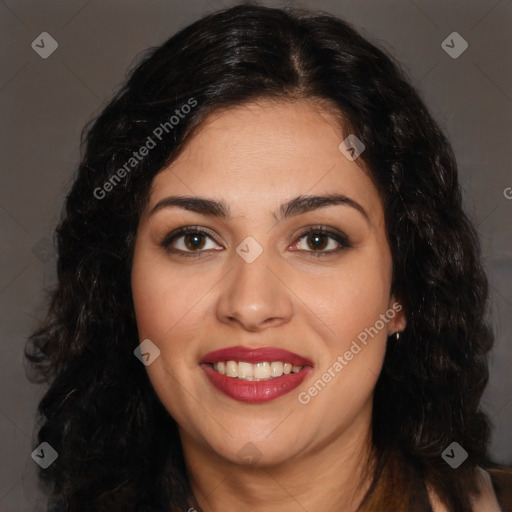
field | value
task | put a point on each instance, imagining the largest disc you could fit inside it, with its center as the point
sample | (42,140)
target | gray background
(44,104)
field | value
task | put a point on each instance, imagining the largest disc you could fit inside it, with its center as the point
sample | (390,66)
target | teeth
(276,369)
(255,372)
(245,370)
(231,369)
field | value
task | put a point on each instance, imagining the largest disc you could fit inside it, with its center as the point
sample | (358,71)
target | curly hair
(118,447)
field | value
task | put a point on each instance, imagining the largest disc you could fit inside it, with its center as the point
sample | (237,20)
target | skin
(255,158)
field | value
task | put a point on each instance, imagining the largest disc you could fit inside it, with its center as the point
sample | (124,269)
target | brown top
(403,490)
(501,478)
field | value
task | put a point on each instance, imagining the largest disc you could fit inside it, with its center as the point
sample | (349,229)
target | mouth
(255,375)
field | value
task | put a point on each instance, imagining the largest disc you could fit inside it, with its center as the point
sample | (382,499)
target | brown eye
(189,241)
(194,241)
(317,241)
(322,242)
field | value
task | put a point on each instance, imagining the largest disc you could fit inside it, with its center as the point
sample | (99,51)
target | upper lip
(255,355)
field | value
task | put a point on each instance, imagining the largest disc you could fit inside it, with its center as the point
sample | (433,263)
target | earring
(397,335)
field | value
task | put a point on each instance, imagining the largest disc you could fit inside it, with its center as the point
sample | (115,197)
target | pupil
(317,242)
(194,241)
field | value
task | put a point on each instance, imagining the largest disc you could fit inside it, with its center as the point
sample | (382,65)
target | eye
(320,241)
(188,241)
(193,240)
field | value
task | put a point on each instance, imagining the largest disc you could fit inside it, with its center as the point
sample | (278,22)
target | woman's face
(256,279)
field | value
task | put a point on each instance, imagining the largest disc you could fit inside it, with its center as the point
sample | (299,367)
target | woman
(263,296)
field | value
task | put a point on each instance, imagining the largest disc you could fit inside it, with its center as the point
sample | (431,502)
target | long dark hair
(118,447)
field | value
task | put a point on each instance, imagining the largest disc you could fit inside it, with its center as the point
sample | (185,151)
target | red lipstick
(255,391)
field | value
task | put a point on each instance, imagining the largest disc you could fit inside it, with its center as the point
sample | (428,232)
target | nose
(254,297)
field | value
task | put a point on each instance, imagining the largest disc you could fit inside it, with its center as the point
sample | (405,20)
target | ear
(397,314)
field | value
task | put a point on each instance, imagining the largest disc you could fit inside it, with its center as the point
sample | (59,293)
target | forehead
(258,155)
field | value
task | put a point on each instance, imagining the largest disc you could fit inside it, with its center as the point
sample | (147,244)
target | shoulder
(501,480)
(495,492)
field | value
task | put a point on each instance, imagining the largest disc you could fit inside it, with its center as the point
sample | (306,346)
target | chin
(257,451)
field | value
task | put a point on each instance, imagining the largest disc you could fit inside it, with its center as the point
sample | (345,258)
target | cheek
(355,338)
(161,301)
(167,309)
(164,308)
(352,297)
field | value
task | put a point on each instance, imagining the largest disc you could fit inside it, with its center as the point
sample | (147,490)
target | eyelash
(339,238)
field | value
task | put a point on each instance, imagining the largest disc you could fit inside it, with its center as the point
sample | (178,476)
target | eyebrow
(296,206)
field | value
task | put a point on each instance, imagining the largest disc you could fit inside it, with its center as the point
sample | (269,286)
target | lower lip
(256,391)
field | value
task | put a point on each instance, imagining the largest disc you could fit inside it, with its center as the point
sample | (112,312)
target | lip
(255,355)
(255,391)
